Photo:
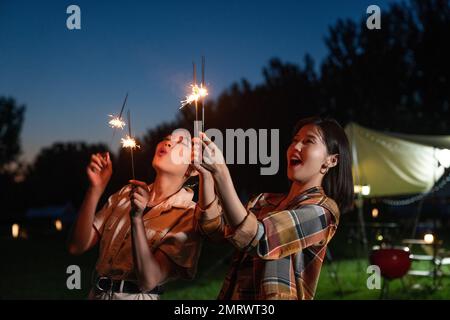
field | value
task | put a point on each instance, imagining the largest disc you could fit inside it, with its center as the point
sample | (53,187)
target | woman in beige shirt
(146,232)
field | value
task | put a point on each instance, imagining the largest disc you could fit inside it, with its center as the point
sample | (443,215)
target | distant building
(66,213)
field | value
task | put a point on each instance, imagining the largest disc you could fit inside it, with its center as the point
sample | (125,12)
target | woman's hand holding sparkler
(208,156)
(99,171)
(140,197)
(203,158)
(151,268)
(214,162)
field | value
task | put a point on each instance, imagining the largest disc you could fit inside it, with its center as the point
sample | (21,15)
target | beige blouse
(169,228)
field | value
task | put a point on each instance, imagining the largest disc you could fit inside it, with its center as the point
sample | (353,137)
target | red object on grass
(393,263)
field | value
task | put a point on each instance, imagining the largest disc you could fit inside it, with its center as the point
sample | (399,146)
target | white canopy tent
(393,164)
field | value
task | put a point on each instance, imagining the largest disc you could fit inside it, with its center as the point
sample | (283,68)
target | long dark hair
(338,181)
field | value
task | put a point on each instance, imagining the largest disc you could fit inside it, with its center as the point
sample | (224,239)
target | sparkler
(130,142)
(116,122)
(202,87)
(197,93)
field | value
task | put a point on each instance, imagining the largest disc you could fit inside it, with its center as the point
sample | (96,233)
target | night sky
(70,80)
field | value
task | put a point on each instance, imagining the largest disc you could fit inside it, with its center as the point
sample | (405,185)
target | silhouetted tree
(11,120)
(396,78)
(58,174)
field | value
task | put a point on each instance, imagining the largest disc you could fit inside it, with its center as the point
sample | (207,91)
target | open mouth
(162,152)
(295,161)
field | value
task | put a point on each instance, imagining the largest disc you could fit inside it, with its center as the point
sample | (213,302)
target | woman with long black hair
(281,239)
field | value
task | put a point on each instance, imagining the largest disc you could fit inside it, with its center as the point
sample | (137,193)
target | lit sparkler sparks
(116,122)
(129,142)
(197,93)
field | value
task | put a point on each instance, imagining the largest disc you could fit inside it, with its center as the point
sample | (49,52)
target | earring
(326,170)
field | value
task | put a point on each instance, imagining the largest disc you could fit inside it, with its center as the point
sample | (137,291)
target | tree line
(396,78)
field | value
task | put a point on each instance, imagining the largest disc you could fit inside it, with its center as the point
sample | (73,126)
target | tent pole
(435,247)
(360,200)
(362,224)
(416,221)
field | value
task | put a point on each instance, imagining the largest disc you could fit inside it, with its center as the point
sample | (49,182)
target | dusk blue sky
(71,80)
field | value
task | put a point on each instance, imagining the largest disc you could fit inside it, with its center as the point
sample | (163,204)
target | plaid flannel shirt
(280,250)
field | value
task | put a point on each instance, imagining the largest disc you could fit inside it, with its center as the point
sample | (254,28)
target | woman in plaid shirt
(281,240)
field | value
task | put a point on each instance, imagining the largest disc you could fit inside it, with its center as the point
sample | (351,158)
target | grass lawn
(36,269)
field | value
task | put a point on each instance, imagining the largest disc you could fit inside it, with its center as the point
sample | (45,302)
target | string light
(408,201)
